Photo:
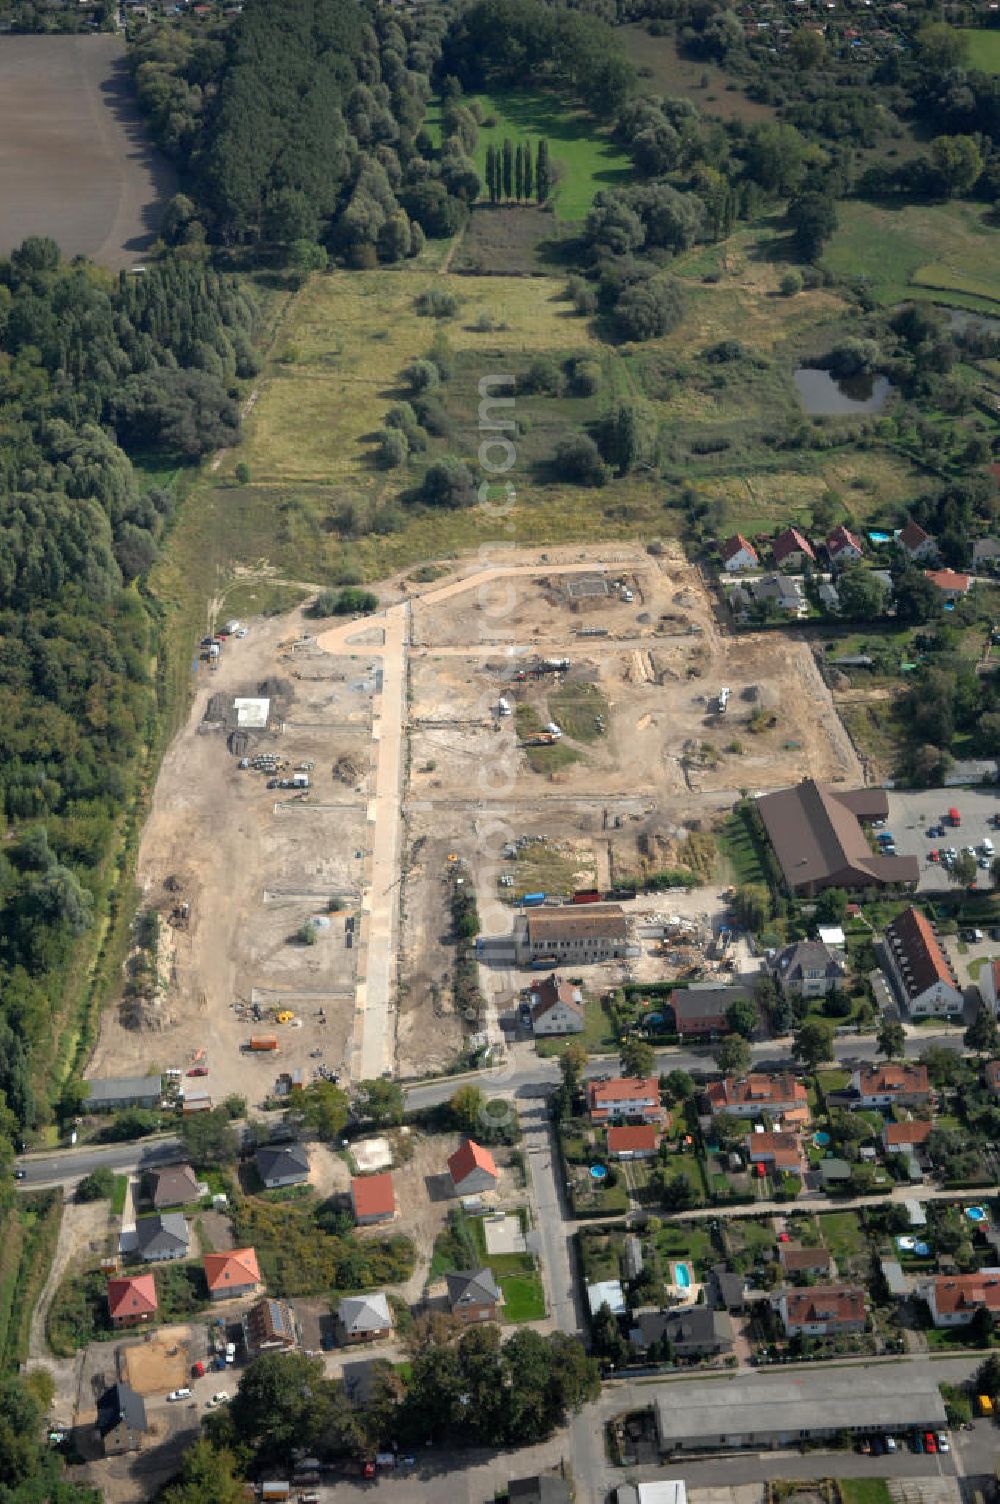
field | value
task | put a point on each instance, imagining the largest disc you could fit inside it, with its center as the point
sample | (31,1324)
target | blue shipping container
(532,900)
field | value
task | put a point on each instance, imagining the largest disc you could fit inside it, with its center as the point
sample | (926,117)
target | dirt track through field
(75,161)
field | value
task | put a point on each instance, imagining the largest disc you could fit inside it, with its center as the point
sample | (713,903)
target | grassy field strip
(945,248)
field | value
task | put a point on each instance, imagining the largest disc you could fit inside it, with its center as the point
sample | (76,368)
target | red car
(198,1070)
(930,1442)
(933,856)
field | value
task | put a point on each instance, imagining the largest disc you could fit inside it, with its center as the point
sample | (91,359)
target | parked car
(933,856)
(930,1442)
(890,1444)
(944,1445)
(918,1444)
(221,1398)
(198,1070)
(179,1394)
(20,1174)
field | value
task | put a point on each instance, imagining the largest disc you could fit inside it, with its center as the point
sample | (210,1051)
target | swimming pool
(976,1213)
(821,1139)
(682,1276)
(880,538)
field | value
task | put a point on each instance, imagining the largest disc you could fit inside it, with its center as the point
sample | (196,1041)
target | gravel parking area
(912,812)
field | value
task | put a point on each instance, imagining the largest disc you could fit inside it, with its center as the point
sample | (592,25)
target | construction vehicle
(540,739)
(284,1017)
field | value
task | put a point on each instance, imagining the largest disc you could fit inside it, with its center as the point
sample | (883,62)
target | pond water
(963,318)
(823,396)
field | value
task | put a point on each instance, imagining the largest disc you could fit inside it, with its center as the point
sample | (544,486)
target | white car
(944,1445)
(179,1394)
(222,1398)
(890,1443)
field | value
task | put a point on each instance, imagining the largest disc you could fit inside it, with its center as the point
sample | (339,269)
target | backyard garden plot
(982,49)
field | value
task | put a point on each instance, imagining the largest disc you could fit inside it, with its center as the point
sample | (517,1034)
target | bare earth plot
(75,161)
(411,763)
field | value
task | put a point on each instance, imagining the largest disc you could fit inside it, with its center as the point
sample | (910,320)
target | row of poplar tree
(511,172)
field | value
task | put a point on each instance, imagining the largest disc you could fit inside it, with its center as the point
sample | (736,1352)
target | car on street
(179,1394)
(20,1174)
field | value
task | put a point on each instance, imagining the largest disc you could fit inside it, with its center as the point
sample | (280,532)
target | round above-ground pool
(821,1139)
(682,1276)
(976,1213)
(598,1172)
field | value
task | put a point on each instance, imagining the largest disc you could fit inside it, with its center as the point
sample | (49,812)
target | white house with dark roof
(738,553)
(915,542)
(557,1007)
(810,969)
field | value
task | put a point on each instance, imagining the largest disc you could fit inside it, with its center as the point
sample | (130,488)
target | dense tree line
(514,170)
(150,360)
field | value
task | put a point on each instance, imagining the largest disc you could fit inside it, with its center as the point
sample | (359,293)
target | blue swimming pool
(976,1213)
(821,1139)
(682,1276)
(880,537)
(598,1172)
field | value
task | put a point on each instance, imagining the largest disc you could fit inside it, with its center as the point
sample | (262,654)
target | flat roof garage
(761,1411)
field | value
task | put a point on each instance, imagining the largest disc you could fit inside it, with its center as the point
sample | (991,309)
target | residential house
(951,582)
(820,1310)
(625,1097)
(546,1488)
(700,1010)
(473,1295)
(898,1283)
(992,1073)
(164,1236)
(986,553)
(738,553)
(786,594)
(797,1258)
(954,1299)
(232,1274)
(729,1289)
(835,1174)
(915,543)
(364,1318)
(906,1138)
(132,1300)
(820,842)
(472,1169)
(113,1092)
(780,1096)
(282,1164)
(843,547)
(557,1007)
(776,1151)
(989,985)
(270,1326)
(791,549)
(373,1198)
(640,1141)
(121,1420)
(895,1084)
(692,1331)
(173,1185)
(583,936)
(919,968)
(808,968)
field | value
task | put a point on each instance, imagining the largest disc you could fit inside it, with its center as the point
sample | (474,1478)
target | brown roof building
(625,1097)
(919,966)
(584,936)
(373,1198)
(174,1185)
(777,1095)
(633,1142)
(821,1310)
(792,547)
(819,840)
(901,1138)
(778,1149)
(954,1299)
(796,1258)
(895,1084)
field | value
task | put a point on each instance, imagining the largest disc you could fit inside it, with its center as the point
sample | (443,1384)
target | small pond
(824,396)
(962,319)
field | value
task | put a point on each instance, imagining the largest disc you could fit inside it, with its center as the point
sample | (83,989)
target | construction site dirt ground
(254,865)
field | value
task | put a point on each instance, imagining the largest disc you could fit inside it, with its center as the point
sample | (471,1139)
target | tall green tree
(528,171)
(890,1038)
(733,1055)
(626,437)
(543,172)
(813,1043)
(638,1058)
(982,1035)
(508,168)
(519,171)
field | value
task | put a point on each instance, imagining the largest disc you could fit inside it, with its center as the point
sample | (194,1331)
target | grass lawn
(580,710)
(920,251)
(982,48)
(842,1234)
(523,1297)
(583,154)
(740,849)
(833,1080)
(691,1244)
(864,1491)
(118,1194)
(598,1036)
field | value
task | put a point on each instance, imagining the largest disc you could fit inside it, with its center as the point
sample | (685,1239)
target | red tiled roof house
(232,1274)
(625,1098)
(373,1199)
(473,1169)
(954,1299)
(640,1141)
(821,1310)
(738,553)
(919,966)
(791,549)
(132,1300)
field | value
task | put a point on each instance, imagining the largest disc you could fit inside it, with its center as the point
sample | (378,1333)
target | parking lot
(912,813)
